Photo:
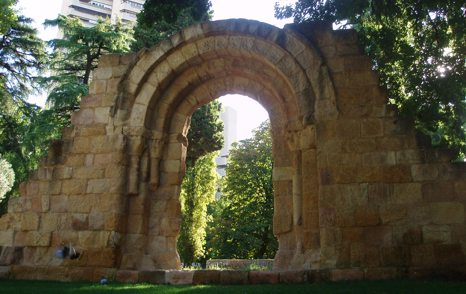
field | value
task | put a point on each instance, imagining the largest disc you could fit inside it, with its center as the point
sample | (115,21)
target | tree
(418,48)
(22,125)
(198,190)
(7,177)
(76,55)
(241,221)
(22,54)
(206,133)
(205,137)
(161,18)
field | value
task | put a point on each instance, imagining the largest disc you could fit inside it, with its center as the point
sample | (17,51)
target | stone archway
(357,194)
(166,84)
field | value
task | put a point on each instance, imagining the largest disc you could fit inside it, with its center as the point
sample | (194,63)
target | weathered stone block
(447,213)
(346,274)
(424,172)
(230,277)
(422,255)
(93,239)
(293,276)
(29,221)
(407,193)
(206,277)
(6,238)
(10,255)
(264,277)
(5,272)
(73,186)
(436,234)
(126,276)
(32,238)
(449,255)
(179,277)
(381,273)
(153,277)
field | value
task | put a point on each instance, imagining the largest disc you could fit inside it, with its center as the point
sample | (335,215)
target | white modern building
(90,10)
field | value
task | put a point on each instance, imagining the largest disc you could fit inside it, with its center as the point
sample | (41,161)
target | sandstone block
(153,277)
(29,221)
(6,238)
(10,255)
(98,87)
(84,116)
(372,128)
(96,220)
(179,277)
(407,193)
(81,274)
(393,214)
(108,273)
(346,274)
(93,239)
(73,186)
(447,213)
(206,277)
(79,222)
(59,203)
(449,255)
(264,277)
(32,238)
(126,276)
(96,186)
(293,277)
(381,273)
(231,277)
(422,255)
(424,172)
(436,234)
(378,235)
(5,272)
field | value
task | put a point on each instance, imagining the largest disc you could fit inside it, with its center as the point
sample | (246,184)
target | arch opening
(166,85)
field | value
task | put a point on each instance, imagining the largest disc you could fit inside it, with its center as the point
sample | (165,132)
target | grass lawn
(390,286)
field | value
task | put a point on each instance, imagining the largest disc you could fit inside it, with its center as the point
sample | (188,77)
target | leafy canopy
(76,54)
(22,54)
(161,18)
(198,191)
(24,127)
(418,48)
(241,221)
(7,177)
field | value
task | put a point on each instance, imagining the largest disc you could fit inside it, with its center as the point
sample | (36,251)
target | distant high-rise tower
(90,10)
(229,118)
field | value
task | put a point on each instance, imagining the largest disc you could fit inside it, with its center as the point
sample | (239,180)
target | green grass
(390,286)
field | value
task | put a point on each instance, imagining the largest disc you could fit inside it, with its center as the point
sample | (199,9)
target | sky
(249,113)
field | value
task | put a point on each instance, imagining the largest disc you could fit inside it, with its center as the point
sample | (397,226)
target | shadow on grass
(388,286)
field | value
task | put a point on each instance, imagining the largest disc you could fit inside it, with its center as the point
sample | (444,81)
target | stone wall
(358,194)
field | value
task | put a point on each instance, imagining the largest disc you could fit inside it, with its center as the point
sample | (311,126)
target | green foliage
(161,18)
(206,132)
(22,53)
(76,55)
(198,190)
(241,221)
(7,177)
(23,126)
(418,48)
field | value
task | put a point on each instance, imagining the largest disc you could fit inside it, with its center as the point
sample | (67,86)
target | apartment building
(90,10)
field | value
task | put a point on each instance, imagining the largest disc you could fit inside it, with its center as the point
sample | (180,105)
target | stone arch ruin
(357,193)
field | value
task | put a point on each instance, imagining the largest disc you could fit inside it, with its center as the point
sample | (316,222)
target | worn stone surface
(356,195)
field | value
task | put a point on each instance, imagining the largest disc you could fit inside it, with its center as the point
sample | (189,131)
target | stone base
(227,277)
